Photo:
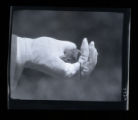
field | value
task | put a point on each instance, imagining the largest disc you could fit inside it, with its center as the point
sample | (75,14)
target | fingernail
(85,39)
(85,42)
(92,43)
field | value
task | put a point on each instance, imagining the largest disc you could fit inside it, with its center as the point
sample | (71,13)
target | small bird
(71,56)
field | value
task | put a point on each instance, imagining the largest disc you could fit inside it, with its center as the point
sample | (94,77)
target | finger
(85,69)
(84,51)
(93,54)
(92,60)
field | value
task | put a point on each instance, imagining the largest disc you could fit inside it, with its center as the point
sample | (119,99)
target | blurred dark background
(105,28)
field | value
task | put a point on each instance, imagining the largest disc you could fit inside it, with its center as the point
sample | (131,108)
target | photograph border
(78,105)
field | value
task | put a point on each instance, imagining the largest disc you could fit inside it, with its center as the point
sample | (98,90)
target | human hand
(45,54)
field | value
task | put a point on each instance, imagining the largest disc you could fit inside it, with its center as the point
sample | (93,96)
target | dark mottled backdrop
(105,28)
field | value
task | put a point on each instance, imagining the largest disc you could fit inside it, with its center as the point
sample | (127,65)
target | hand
(45,53)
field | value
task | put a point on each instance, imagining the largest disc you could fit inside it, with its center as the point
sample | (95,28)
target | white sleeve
(17,60)
(13,62)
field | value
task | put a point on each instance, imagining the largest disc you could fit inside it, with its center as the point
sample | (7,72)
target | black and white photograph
(66,55)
